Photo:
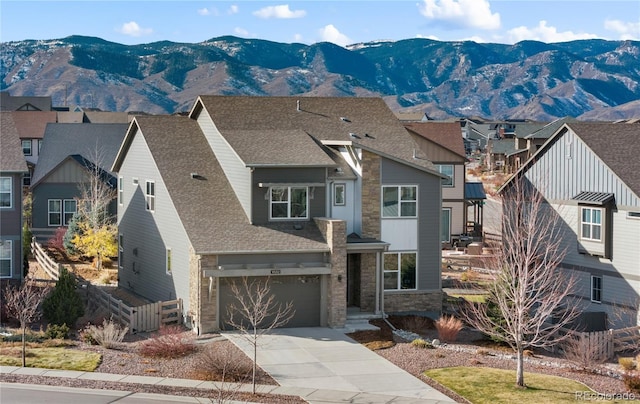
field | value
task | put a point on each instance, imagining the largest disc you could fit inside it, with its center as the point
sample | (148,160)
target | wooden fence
(605,344)
(148,317)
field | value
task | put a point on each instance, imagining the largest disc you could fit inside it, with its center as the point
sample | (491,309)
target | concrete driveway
(326,359)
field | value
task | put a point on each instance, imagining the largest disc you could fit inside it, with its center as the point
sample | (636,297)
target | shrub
(582,353)
(57,239)
(448,328)
(632,381)
(168,343)
(108,335)
(420,343)
(55,331)
(73,230)
(221,364)
(627,364)
(416,323)
(63,305)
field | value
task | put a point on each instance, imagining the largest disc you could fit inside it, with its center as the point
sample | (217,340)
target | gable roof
(86,139)
(549,129)
(32,124)
(445,134)
(11,157)
(360,121)
(616,144)
(16,103)
(179,148)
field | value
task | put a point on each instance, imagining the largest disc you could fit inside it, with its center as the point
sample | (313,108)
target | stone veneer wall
(413,301)
(203,301)
(371,188)
(368,282)
(335,233)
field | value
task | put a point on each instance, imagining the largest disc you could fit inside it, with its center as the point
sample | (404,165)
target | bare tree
(255,313)
(532,299)
(23,303)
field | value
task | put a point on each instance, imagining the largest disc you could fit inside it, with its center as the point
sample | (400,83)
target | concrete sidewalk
(336,367)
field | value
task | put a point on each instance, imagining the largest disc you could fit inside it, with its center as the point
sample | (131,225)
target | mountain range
(587,79)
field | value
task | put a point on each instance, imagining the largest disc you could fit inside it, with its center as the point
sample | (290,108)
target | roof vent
(298,105)
(353,135)
(345,119)
(197,176)
(369,136)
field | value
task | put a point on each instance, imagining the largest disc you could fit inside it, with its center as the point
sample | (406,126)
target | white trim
(288,203)
(62,212)
(593,289)
(10,259)
(442,224)
(149,197)
(120,190)
(591,223)
(633,215)
(120,251)
(22,142)
(452,176)
(10,192)
(335,194)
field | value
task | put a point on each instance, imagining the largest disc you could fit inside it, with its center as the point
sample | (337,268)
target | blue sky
(340,22)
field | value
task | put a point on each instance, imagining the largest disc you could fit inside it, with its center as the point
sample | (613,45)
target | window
(633,215)
(26,179)
(6,196)
(288,203)
(150,196)
(399,270)
(120,191)
(596,289)
(26,147)
(591,223)
(445,230)
(339,194)
(446,169)
(61,211)
(168,263)
(399,201)
(39,145)
(6,254)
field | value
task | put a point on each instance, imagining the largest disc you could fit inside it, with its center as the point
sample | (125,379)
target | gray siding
(11,224)
(238,174)
(147,235)
(40,205)
(270,258)
(317,204)
(68,171)
(575,168)
(429,210)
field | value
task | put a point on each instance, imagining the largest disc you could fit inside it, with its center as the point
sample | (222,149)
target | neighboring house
(31,126)
(12,168)
(413,117)
(588,173)
(441,143)
(322,195)
(68,151)
(24,103)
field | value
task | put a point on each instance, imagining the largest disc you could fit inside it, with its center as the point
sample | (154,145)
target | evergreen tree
(73,230)
(64,305)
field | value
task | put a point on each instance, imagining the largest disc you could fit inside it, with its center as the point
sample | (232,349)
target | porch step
(358,321)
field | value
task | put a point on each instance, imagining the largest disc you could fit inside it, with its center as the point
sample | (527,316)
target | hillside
(589,78)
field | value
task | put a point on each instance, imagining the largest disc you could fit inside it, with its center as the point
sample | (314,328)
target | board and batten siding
(234,168)
(147,235)
(346,212)
(427,229)
(569,167)
(68,171)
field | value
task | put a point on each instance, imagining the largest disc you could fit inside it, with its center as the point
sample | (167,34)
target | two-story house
(68,155)
(12,168)
(31,126)
(324,196)
(588,173)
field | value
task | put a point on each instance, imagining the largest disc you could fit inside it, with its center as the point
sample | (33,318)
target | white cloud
(625,30)
(204,11)
(432,37)
(281,11)
(298,38)
(132,28)
(331,34)
(461,13)
(544,33)
(241,31)
(233,9)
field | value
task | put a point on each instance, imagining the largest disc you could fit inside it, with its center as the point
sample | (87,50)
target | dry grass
(448,328)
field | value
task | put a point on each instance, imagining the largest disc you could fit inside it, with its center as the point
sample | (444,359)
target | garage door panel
(303,291)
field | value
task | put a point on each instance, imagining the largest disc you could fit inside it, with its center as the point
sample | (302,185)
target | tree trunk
(255,359)
(24,346)
(520,368)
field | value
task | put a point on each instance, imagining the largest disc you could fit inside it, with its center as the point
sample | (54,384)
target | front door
(353,280)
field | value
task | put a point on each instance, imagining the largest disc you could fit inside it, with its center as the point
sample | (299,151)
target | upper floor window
(339,192)
(445,223)
(591,224)
(446,169)
(150,196)
(26,179)
(39,145)
(6,255)
(26,147)
(6,194)
(288,203)
(61,211)
(399,201)
(120,191)
(596,289)
(399,270)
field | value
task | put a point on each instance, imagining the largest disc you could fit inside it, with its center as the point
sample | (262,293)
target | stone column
(335,233)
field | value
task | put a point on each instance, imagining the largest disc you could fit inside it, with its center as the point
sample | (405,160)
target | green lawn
(473,298)
(51,358)
(496,386)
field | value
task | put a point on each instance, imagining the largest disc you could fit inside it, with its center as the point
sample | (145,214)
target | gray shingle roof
(208,208)
(9,102)
(445,134)
(549,129)
(617,144)
(327,119)
(11,157)
(65,139)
